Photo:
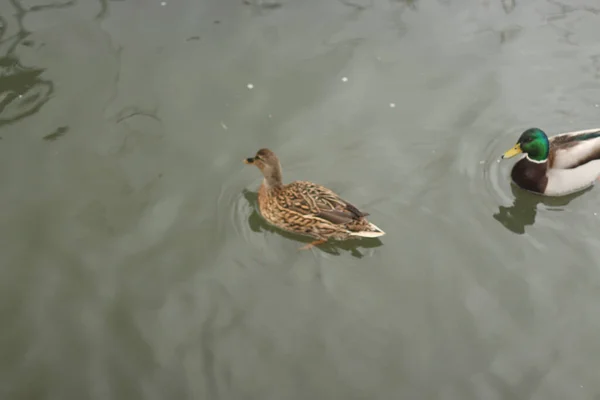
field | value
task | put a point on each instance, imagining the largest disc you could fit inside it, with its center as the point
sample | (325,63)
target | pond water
(134,264)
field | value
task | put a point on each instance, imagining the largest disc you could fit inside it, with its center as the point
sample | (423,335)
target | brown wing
(308,198)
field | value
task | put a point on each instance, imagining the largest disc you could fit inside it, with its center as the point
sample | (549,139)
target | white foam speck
(344,79)
(392,105)
(250,86)
(164,3)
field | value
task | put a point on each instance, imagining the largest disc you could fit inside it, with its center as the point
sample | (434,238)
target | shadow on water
(258,224)
(523,211)
(23,91)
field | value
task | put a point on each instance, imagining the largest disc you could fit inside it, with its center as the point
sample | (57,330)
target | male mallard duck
(558,166)
(306,208)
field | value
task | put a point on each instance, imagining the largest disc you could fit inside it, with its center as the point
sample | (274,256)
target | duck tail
(372,231)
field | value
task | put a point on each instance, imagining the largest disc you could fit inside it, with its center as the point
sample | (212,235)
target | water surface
(134,264)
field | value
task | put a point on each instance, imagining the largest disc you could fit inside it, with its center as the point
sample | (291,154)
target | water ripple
(514,208)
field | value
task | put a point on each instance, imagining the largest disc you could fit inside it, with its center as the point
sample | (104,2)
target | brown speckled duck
(306,208)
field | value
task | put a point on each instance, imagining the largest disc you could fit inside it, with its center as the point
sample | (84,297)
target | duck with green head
(556,166)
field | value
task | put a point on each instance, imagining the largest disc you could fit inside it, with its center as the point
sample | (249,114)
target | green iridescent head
(532,142)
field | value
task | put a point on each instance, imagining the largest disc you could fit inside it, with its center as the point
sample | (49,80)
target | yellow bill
(513,152)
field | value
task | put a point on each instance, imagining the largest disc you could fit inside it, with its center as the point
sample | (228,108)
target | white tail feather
(369,234)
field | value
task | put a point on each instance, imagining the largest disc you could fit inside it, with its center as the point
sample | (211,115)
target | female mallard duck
(306,208)
(560,165)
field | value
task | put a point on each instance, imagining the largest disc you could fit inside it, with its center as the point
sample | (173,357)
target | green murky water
(134,265)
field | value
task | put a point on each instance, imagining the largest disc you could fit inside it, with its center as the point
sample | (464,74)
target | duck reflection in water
(258,224)
(523,211)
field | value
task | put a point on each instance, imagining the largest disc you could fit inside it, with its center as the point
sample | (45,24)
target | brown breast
(530,176)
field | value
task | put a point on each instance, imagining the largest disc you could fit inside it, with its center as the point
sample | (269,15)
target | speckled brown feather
(310,209)
(307,208)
